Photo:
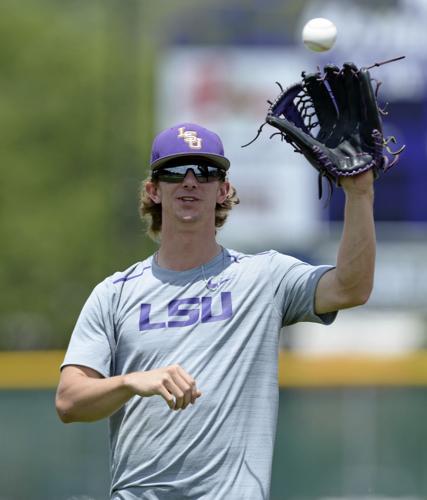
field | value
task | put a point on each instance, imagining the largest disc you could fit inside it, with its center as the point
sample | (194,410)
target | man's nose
(190,179)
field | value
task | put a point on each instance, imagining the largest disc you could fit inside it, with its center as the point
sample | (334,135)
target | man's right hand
(172,382)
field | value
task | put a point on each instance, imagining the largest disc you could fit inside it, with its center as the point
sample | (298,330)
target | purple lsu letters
(201,311)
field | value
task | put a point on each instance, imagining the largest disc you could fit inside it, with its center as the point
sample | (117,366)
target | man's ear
(153,192)
(223,190)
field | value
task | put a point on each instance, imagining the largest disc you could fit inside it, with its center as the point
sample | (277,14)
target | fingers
(167,396)
(179,388)
(295,135)
(189,387)
(352,86)
(323,103)
(371,114)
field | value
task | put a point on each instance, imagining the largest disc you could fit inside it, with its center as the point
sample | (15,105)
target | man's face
(189,201)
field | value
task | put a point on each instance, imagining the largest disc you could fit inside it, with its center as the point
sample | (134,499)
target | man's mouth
(187,198)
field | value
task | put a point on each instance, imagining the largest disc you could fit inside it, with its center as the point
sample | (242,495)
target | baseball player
(180,350)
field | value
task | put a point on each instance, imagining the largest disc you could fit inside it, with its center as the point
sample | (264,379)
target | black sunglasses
(203,173)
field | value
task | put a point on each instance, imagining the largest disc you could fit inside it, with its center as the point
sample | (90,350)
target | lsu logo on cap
(190,137)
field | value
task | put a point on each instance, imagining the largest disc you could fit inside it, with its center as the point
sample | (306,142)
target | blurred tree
(75,77)
(76,100)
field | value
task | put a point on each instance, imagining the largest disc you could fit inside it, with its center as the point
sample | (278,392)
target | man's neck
(184,251)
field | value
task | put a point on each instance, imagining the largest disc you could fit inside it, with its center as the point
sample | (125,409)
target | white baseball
(319,34)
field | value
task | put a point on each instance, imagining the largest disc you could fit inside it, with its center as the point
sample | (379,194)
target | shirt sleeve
(294,287)
(92,340)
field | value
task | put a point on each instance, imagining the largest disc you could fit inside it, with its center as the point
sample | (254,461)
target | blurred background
(84,87)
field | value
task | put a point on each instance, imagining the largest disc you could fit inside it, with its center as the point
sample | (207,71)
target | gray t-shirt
(221,323)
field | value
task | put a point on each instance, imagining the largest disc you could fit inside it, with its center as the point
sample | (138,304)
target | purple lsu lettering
(200,312)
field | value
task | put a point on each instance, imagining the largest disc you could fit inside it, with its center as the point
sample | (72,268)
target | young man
(180,350)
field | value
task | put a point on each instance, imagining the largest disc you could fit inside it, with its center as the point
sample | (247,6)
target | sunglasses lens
(203,173)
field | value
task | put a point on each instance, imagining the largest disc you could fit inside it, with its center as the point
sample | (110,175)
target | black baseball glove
(334,120)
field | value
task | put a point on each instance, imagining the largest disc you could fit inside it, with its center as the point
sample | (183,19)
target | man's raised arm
(350,283)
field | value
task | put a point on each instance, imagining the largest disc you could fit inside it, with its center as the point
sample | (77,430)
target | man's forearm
(88,399)
(356,255)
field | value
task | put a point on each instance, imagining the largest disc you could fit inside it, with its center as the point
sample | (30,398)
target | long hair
(151,213)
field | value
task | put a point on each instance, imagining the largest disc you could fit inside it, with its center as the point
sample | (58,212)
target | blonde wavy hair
(151,213)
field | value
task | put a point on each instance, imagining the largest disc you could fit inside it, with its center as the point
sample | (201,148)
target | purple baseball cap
(184,140)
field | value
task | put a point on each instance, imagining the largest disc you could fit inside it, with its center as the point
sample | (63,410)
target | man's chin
(189,218)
